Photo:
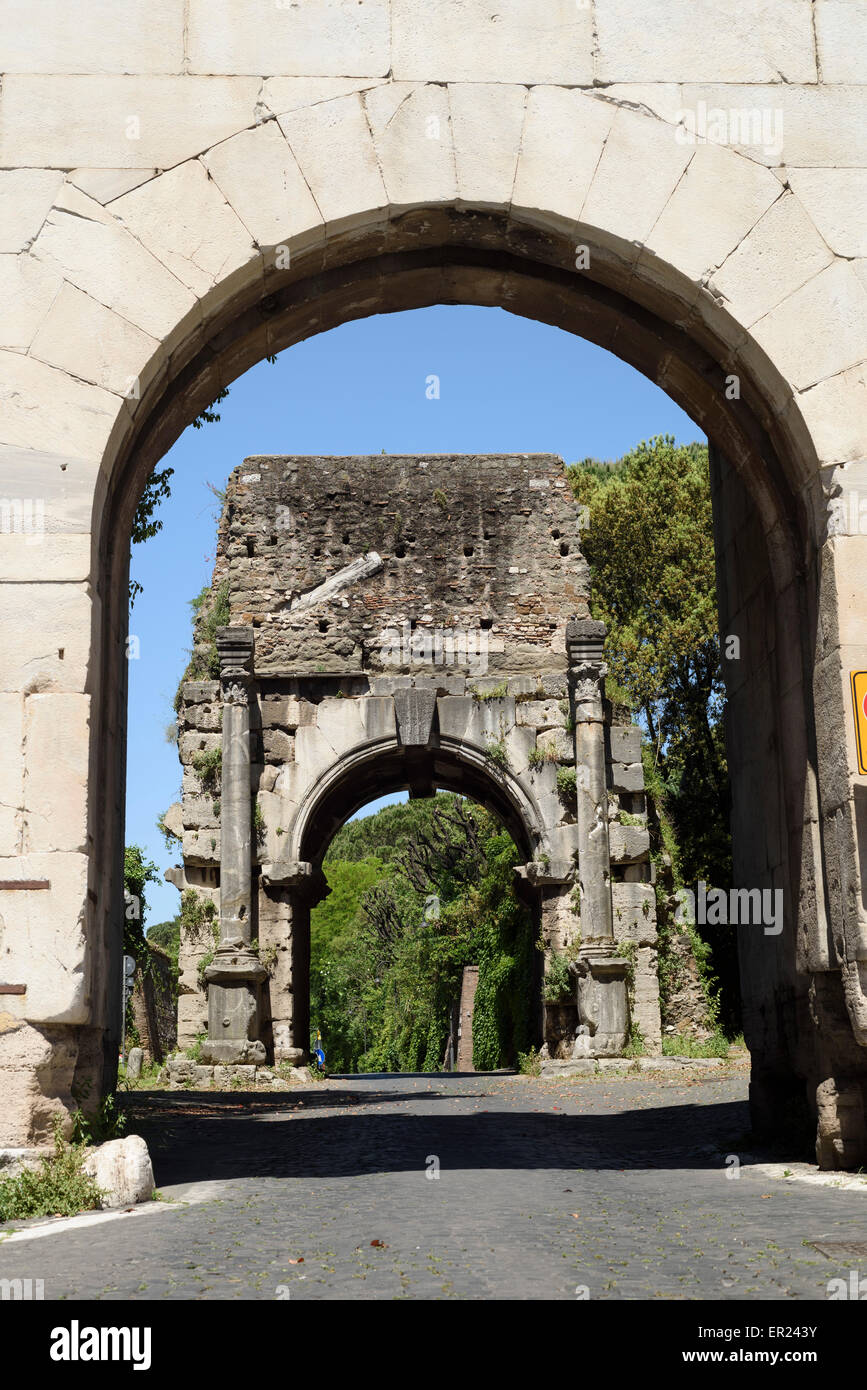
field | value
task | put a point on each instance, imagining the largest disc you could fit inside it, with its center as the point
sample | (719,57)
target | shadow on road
(199,1136)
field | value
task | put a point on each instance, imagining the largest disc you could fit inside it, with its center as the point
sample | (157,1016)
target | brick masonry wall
(486,543)
(154,1007)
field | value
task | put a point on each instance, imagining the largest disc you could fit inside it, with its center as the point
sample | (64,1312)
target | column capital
(235,647)
(585,638)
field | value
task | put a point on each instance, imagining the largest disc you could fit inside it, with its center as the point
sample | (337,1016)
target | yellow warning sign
(859,705)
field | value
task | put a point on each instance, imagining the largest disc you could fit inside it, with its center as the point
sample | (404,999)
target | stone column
(235,975)
(600,973)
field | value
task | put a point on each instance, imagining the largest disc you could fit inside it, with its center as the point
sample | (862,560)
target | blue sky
(507,385)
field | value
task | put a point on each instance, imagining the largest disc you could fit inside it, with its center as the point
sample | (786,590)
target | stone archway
(697,264)
(460,658)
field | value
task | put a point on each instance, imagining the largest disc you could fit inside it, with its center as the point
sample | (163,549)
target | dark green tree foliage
(419,891)
(138,872)
(167,935)
(649,542)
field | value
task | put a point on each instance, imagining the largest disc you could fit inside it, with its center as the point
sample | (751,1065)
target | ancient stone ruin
(394,623)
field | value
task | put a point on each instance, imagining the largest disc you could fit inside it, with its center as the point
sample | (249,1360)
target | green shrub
(636,1044)
(194,1051)
(567,785)
(58,1187)
(496,751)
(211,610)
(496,692)
(209,765)
(107,1122)
(558,987)
(198,916)
(679,1045)
(530,1063)
(538,757)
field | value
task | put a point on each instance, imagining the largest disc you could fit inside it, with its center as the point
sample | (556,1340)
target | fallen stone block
(122,1168)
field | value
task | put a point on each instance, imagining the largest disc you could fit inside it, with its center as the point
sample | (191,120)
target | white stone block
(105,261)
(43,408)
(635,177)
(836,201)
(780,253)
(183,219)
(835,413)
(29,558)
(46,951)
(334,147)
(487,120)
(97,37)
(82,337)
(25,197)
(557,745)
(720,197)
(834,305)
(704,41)
(627,842)
(491,721)
(341,723)
(57,750)
(821,126)
(119,122)
(473,41)
(257,174)
(519,745)
(11,772)
(280,95)
(377,711)
(27,288)
(413,138)
(104,185)
(313,756)
(50,649)
(540,714)
(49,490)
(563,137)
(455,713)
(122,1168)
(841,39)
(317,38)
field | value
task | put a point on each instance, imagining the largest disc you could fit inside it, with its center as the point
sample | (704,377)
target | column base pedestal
(603,1001)
(233,979)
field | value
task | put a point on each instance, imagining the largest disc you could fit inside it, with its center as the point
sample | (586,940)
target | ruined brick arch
(169,289)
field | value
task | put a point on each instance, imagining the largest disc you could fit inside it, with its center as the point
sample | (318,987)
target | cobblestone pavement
(616,1185)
